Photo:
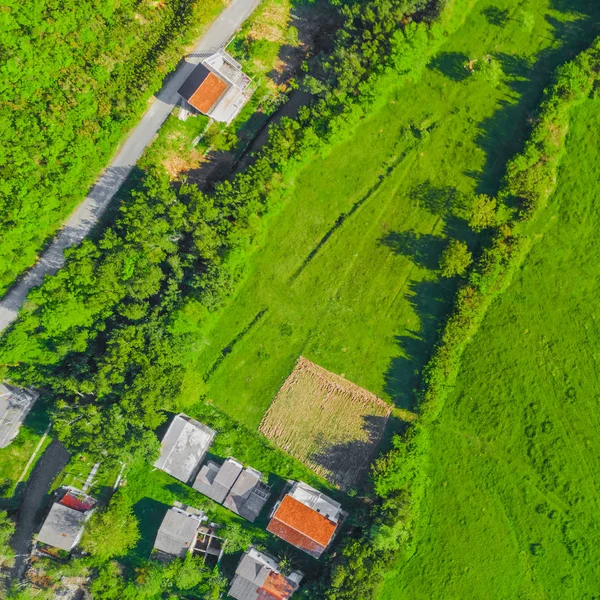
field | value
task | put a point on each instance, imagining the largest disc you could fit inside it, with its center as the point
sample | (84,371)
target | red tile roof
(276,587)
(73,502)
(302,526)
(207,93)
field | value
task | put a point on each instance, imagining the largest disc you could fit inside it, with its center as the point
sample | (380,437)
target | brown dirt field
(330,424)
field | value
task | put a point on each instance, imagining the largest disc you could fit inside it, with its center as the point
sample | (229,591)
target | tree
(456,259)
(482,212)
(111,532)
(236,538)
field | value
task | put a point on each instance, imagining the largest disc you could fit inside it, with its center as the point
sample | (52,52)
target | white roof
(316,500)
(184,447)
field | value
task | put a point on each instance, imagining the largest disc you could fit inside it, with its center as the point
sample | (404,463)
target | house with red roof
(306,518)
(217,88)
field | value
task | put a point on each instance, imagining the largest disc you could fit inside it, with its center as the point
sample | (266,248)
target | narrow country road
(47,468)
(87,214)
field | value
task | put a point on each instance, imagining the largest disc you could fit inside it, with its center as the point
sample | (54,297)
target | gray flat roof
(184,447)
(63,527)
(248,495)
(177,533)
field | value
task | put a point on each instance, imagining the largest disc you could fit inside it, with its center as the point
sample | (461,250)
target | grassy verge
(14,458)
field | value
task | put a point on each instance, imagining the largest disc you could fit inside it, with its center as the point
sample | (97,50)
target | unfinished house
(184,447)
(217,88)
(65,523)
(306,518)
(209,545)
(258,577)
(15,404)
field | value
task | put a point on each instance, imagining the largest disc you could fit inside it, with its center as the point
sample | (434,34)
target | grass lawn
(513,510)
(14,458)
(347,272)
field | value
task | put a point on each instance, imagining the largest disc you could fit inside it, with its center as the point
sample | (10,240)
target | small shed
(217,87)
(178,532)
(215,480)
(248,494)
(258,577)
(184,447)
(15,404)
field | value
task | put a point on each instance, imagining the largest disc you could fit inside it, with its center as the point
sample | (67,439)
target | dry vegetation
(330,424)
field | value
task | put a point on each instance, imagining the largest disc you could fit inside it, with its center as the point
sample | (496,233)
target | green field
(347,275)
(513,509)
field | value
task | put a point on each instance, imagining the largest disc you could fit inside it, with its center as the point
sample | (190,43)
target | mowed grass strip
(330,424)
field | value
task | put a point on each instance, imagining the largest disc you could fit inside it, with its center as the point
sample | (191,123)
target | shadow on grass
(451,65)
(504,133)
(149,514)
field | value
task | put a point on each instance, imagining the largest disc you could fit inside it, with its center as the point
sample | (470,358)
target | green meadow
(346,274)
(513,508)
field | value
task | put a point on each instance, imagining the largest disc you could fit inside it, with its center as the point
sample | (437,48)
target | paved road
(90,210)
(33,498)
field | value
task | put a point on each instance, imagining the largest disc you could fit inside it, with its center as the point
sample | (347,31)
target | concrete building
(184,447)
(178,532)
(238,489)
(64,525)
(248,494)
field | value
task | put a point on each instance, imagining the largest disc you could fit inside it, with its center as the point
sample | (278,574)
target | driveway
(90,210)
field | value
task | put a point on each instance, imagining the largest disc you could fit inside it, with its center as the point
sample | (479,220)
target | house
(238,489)
(306,518)
(248,494)
(184,447)
(15,404)
(65,522)
(217,87)
(216,481)
(178,532)
(258,577)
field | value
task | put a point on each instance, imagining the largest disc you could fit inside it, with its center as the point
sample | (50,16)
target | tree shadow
(451,65)
(438,200)
(346,463)
(149,513)
(504,133)
(496,16)
(432,301)
(423,249)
